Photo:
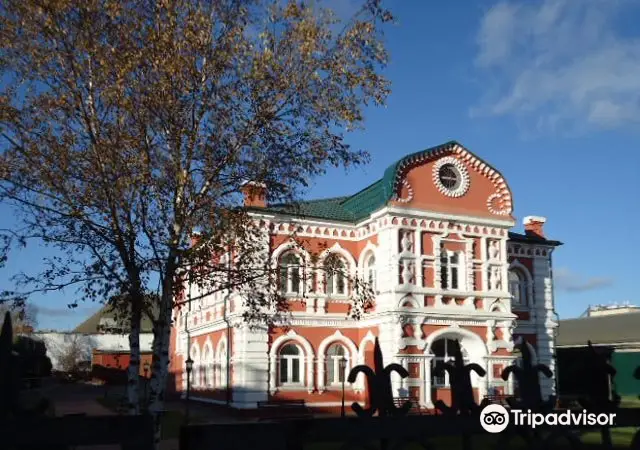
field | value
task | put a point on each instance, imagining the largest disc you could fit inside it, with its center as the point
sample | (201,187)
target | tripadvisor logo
(496,418)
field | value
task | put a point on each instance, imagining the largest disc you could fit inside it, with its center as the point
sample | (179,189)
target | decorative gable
(450,179)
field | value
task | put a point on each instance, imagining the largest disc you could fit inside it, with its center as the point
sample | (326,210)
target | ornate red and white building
(432,237)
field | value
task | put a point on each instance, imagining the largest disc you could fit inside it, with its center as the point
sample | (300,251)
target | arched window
(443,351)
(518,287)
(336,275)
(290,277)
(205,367)
(195,373)
(451,270)
(290,360)
(224,364)
(370,268)
(337,364)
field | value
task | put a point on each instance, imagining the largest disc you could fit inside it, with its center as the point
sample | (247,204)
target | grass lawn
(629,402)
(171,420)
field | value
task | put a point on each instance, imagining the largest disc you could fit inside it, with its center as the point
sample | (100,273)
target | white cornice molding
(470,220)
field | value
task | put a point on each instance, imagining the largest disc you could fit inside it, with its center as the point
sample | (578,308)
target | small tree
(74,349)
(127,127)
(23,315)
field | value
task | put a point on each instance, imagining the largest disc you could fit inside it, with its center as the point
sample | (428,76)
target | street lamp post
(189,366)
(343,365)
(145,369)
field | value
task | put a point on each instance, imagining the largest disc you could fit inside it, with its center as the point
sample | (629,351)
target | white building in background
(101,332)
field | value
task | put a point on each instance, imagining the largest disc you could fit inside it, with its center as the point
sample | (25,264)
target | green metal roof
(108,320)
(361,204)
(606,329)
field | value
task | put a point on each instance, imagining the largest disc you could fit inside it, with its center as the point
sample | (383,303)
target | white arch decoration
(222,355)
(322,350)
(299,250)
(369,337)
(339,250)
(369,249)
(517,265)
(498,304)
(290,246)
(455,331)
(473,346)
(207,364)
(408,298)
(273,356)
(194,353)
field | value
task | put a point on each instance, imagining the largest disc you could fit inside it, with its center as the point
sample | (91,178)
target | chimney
(195,238)
(255,194)
(533,226)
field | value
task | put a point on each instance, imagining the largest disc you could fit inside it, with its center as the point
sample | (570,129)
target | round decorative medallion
(451,177)
(497,205)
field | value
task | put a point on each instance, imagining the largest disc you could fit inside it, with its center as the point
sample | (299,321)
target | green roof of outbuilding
(361,204)
(92,325)
(606,329)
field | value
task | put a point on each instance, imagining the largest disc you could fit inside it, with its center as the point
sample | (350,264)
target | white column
(505,268)
(426,370)
(311,301)
(320,382)
(484,267)
(272,374)
(417,247)
(405,364)
(545,320)
(309,361)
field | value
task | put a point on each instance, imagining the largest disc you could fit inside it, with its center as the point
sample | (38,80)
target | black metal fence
(397,433)
(385,425)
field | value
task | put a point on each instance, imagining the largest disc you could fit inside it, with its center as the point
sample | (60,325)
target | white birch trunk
(161,339)
(133,379)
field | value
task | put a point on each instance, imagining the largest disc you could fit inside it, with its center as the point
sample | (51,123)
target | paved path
(76,399)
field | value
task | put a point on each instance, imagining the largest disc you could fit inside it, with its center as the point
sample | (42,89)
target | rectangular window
(283,370)
(438,380)
(454,277)
(295,280)
(451,273)
(295,370)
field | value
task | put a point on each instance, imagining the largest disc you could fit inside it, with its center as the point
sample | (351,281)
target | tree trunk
(133,378)
(161,339)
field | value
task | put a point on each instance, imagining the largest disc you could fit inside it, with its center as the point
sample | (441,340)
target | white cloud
(560,62)
(566,280)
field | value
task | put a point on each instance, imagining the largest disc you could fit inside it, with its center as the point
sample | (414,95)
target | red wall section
(427,196)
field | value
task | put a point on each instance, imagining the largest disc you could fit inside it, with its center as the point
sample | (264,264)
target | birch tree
(129,126)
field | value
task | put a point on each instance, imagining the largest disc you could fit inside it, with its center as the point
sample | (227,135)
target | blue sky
(546,91)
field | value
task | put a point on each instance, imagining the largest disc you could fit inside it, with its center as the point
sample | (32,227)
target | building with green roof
(432,239)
